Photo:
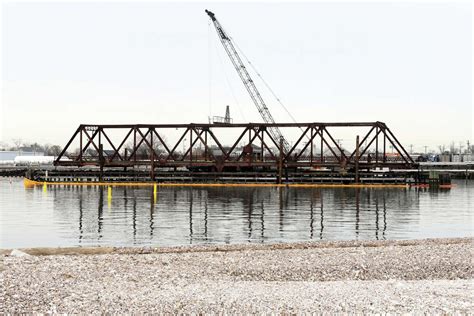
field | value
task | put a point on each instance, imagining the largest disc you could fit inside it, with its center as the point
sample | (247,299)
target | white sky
(407,64)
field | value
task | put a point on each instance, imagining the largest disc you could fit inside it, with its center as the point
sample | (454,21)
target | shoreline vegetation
(429,275)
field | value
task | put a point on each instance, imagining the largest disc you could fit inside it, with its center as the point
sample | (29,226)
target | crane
(248,82)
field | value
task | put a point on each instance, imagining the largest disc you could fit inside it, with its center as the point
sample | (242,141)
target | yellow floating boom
(29,183)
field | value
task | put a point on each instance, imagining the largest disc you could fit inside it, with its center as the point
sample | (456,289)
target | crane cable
(209,61)
(267,86)
(264,82)
(225,75)
(229,85)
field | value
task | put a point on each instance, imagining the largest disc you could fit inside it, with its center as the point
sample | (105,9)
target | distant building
(10,155)
(468,157)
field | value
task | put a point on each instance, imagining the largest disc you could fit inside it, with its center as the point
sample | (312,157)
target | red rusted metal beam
(235,144)
(225,157)
(297,143)
(91,140)
(121,144)
(313,136)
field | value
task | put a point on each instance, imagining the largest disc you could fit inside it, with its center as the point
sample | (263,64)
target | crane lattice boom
(248,82)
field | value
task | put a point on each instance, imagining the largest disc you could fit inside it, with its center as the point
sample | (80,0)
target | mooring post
(357,160)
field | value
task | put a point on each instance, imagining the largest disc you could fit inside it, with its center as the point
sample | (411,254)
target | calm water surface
(74,216)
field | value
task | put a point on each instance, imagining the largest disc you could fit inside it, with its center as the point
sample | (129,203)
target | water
(86,216)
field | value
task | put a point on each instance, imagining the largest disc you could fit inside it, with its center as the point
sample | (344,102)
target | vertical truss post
(191,146)
(125,158)
(101,162)
(384,159)
(135,144)
(357,160)
(91,148)
(80,151)
(100,138)
(322,144)
(377,145)
(205,145)
(311,149)
(265,146)
(280,162)
(152,172)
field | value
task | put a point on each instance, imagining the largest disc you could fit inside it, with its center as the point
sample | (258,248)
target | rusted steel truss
(198,146)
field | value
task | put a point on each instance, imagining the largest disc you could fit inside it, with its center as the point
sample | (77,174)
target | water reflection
(191,216)
(80,218)
(213,215)
(179,216)
(100,212)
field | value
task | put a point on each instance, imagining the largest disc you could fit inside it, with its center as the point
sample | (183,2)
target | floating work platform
(30,183)
(297,178)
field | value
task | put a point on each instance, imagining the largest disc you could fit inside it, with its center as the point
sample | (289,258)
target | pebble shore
(423,276)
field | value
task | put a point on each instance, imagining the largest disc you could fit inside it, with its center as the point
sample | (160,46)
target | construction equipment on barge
(146,154)
(257,154)
(248,82)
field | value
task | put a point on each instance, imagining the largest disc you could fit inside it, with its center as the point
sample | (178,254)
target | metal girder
(266,152)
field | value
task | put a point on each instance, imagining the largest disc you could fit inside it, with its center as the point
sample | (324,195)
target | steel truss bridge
(199,147)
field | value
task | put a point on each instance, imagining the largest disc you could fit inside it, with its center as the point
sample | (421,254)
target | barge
(293,178)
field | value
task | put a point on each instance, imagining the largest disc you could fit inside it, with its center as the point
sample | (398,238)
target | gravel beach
(433,276)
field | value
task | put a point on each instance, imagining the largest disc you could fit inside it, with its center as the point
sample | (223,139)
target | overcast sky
(407,64)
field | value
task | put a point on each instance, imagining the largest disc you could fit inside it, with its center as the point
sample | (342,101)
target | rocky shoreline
(433,276)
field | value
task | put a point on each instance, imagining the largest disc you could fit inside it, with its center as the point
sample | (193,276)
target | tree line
(20,145)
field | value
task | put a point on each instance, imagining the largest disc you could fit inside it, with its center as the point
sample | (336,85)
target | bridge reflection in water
(179,216)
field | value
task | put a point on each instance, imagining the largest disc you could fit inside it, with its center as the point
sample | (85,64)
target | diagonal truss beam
(91,140)
(308,143)
(150,137)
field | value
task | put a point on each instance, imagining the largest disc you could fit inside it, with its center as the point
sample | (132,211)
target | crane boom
(248,82)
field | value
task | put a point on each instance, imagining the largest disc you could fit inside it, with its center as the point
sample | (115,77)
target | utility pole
(425,148)
(411,148)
